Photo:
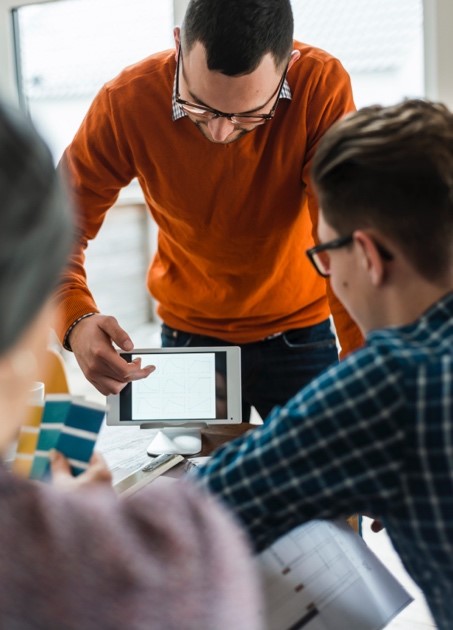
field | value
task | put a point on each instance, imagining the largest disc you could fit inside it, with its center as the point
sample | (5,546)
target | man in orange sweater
(220,135)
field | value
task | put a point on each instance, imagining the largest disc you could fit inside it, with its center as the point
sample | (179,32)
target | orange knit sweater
(234,220)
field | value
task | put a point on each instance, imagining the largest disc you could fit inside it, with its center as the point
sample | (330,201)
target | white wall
(179,10)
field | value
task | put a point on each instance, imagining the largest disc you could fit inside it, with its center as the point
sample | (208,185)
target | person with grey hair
(83,559)
(373,435)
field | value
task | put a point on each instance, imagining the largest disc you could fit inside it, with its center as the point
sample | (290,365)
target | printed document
(322,576)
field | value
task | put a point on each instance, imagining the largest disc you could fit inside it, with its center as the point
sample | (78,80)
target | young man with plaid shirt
(374,434)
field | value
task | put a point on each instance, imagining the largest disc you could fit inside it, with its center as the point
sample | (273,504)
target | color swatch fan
(66,423)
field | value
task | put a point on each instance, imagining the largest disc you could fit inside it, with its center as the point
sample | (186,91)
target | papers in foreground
(322,576)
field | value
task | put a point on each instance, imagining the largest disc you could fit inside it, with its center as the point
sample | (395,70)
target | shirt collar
(427,325)
(178,112)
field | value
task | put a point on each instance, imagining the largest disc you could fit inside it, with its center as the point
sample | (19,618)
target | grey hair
(35,226)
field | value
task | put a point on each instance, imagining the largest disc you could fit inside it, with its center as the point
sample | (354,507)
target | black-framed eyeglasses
(203,112)
(320,258)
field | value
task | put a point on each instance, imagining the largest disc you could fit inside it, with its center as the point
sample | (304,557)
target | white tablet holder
(182,439)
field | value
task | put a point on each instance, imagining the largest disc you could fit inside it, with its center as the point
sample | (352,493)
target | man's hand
(97,472)
(91,341)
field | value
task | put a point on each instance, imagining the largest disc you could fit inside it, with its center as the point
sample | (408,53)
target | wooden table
(216,435)
(124,448)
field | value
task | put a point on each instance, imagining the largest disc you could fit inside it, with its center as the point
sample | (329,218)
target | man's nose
(220,128)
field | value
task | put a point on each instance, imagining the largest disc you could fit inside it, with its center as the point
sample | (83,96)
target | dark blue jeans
(275,369)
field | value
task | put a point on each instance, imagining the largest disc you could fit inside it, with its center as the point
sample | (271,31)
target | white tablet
(190,387)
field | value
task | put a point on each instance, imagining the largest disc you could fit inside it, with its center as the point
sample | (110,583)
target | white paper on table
(322,576)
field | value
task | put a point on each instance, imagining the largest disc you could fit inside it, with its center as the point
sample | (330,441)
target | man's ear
(295,54)
(177,38)
(370,258)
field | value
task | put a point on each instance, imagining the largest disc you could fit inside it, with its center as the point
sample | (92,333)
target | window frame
(438,45)
(10,72)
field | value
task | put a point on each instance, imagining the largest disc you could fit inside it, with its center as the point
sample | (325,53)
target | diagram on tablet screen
(181,387)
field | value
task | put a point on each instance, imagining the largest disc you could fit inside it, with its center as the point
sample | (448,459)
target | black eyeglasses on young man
(320,259)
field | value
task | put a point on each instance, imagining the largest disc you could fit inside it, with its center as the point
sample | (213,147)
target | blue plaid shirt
(372,435)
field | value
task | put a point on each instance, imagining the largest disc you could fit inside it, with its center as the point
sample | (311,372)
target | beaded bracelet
(66,345)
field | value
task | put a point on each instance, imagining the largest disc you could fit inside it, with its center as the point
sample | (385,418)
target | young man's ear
(177,38)
(369,257)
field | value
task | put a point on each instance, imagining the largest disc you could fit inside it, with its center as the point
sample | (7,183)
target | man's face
(364,273)
(348,279)
(251,93)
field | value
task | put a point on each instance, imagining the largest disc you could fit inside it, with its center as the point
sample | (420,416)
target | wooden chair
(53,374)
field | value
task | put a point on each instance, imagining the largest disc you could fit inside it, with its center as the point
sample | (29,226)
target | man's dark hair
(35,226)
(392,168)
(238,33)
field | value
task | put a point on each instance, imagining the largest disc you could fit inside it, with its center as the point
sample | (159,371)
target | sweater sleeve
(96,165)
(167,558)
(330,101)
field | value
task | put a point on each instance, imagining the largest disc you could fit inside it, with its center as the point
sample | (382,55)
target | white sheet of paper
(322,576)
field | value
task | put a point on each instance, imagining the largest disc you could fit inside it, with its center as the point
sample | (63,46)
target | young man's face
(349,278)
(255,93)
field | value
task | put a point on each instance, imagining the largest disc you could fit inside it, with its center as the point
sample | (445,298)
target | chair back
(53,374)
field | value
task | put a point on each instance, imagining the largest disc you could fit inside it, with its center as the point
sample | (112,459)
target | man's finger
(107,386)
(137,375)
(117,334)
(113,365)
(98,470)
(59,465)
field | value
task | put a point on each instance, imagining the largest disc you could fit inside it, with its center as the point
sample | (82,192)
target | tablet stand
(180,440)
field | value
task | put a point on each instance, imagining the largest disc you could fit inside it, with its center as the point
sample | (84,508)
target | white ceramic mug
(37,393)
